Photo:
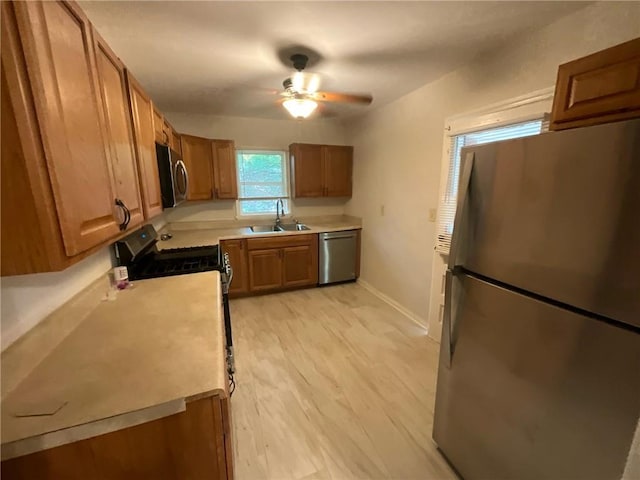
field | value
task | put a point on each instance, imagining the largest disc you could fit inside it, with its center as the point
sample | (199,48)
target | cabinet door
(599,88)
(299,266)
(142,116)
(175,142)
(166,132)
(224,169)
(265,269)
(158,126)
(237,251)
(306,170)
(113,84)
(338,167)
(196,443)
(197,157)
(60,60)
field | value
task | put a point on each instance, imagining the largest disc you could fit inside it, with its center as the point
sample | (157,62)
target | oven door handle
(228,271)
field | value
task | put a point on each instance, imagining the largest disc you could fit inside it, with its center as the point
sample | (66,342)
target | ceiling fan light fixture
(300,107)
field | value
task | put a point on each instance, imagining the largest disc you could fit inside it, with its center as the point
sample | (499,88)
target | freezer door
(534,391)
(559,215)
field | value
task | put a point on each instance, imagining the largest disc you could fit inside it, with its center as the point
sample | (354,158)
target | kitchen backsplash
(27,299)
(226,210)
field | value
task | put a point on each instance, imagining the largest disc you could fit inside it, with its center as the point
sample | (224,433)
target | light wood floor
(332,384)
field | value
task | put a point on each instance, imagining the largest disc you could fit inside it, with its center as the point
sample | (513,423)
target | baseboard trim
(391,302)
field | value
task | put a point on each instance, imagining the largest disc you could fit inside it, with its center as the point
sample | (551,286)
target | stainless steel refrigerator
(539,374)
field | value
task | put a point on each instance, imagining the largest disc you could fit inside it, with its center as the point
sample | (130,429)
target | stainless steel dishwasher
(338,254)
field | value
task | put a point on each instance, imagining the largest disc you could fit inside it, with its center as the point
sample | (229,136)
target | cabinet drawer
(280,241)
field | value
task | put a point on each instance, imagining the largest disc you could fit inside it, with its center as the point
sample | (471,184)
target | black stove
(140,254)
(176,261)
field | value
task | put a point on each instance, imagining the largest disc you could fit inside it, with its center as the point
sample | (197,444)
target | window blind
(449,198)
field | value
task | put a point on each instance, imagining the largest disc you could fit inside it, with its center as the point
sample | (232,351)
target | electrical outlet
(382,210)
(432,214)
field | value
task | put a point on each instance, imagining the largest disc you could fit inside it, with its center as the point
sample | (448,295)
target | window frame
(529,107)
(286,182)
(526,107)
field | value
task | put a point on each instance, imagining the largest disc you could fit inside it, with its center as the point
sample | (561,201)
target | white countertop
(127,361)
(210,234)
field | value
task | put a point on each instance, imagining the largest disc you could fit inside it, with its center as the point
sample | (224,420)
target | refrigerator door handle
(447,321)
(461,207)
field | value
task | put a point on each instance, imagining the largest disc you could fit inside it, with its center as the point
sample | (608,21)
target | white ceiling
(226,57)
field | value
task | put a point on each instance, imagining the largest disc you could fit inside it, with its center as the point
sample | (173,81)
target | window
(448,202)
(262,179)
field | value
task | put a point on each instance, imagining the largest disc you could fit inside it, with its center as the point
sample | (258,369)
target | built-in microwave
(174,179)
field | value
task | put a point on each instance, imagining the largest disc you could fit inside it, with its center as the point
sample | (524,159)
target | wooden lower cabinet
(599,88)
(300,265)
(282,262)
(265,269)
(193,444)
(236,249)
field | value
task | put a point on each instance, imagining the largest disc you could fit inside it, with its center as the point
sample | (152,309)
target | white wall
(28,299)
(257,133)
(398,148)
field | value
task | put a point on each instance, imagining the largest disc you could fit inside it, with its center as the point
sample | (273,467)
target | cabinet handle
(127,214)
(241,247)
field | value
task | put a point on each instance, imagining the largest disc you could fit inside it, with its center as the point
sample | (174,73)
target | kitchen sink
(293,227)
(283,227)
(264,228)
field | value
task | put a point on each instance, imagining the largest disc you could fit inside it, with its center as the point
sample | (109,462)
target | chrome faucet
(280,203)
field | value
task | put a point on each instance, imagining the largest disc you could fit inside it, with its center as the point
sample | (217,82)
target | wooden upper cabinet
(599,88)
(306,170)
(176,142)
(212,168)
(142,116)
(31,238)
(338,167)
(58,50)
(321,170)
(167,131)
(197,155)
(224,169)
(158,126)
(115,102)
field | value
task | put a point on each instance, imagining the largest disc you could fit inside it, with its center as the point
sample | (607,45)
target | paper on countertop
(39,408)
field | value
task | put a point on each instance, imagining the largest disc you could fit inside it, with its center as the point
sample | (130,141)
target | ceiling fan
(301,95)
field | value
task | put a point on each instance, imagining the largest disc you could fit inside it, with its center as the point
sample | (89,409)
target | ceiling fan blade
(342,97)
